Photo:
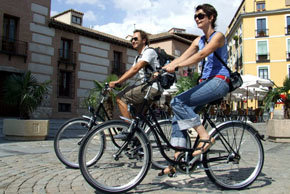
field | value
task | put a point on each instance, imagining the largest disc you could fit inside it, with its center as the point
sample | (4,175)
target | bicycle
(70,135)
(233,162)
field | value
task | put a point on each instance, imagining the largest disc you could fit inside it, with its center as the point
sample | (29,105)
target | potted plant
(276,128)
(27,93)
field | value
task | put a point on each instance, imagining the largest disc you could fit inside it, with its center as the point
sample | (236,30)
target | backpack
(167,79)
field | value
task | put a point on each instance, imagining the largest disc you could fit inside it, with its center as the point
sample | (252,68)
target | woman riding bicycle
(213,83)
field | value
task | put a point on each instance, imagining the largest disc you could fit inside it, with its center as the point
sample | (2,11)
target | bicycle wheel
(239,168)
(115,174)
(68,139)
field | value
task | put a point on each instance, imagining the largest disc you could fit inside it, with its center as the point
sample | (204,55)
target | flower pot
(278,130)
(16,129)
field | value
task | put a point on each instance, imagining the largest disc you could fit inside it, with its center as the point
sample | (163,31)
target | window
(263,72)
(65,48)
(65,83)
(64,107)
(10,27)
(261,27)
(289,71)
(261,6)
(76,20)
(177,52)
(66,55)
(262,51)
(288,25)
(9,33)
(118,67)
(288,50)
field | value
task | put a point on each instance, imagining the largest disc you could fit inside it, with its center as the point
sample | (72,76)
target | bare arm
(128,74)
(217,41)
(192,49)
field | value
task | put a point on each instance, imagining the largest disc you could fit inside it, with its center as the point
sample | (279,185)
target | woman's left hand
(170,68)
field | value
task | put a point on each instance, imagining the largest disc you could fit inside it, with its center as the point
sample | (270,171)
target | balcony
(118,68)
(287,30)
(66,57)
(13,47)
(261,58)
(288,55)
(262,33)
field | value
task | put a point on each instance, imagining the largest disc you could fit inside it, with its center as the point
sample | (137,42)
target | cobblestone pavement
(32,167)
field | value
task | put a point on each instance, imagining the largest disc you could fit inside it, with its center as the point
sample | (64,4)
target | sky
(121,17)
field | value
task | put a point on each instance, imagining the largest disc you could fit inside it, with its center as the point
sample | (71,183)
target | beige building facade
(259,41)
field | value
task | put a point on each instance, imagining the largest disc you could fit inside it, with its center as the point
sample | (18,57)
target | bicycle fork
(116,156)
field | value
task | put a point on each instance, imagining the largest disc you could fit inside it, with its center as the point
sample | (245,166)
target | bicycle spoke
(237,166)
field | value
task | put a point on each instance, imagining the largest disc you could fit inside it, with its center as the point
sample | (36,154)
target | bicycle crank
(183,165)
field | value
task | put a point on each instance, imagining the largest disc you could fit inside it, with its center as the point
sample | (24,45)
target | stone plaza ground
(32,167)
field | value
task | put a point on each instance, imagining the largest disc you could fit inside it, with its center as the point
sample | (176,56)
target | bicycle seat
(216,102)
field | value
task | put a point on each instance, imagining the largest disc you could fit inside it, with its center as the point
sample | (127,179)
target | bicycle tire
(120,174)
(221,165)
(68,139)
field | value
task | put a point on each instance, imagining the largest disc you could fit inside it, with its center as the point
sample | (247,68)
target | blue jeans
(186,104)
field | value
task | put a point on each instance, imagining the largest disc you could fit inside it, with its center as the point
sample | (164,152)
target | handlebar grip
(118,85)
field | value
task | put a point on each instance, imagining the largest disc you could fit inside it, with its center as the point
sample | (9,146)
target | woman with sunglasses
(213,83)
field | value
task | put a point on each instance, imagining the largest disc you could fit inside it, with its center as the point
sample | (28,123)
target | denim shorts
(186,104)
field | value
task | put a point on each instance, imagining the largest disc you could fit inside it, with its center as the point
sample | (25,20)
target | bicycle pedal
(172,175)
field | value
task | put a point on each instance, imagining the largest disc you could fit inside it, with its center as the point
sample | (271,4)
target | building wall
(245,24)
(277,47)
(94,57)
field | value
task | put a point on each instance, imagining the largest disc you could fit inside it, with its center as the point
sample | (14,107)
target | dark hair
(143,35)
(209,10)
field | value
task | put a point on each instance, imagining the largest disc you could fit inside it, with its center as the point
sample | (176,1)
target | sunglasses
(135,39)
(200,16)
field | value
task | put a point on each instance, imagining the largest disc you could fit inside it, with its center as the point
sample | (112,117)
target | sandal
(171,172)
(206,144)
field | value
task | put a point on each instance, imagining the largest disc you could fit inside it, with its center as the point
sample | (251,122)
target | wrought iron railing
(262,32)
(66,57)
(288,55)
(287,30)
(13,47)
(263,57)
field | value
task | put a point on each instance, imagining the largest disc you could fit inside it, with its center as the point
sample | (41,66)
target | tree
(25,91)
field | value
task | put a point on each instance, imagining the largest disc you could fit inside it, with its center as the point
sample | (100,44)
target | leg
(205,141)
(123,108)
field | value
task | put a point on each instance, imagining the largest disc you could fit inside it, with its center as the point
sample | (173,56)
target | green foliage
(275,94)
(25,91)
(185,83)
(94,95)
